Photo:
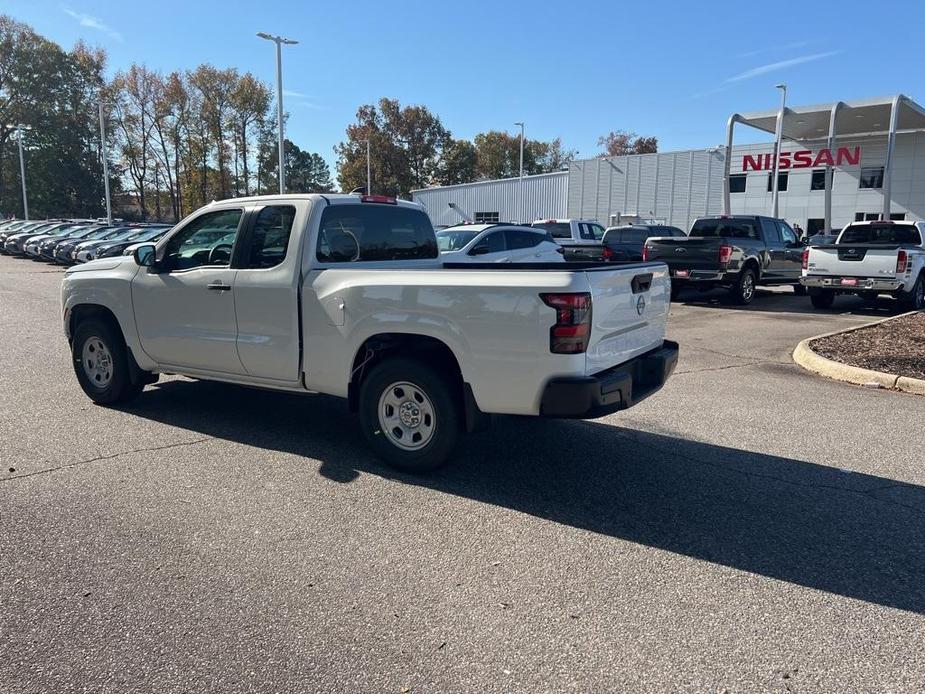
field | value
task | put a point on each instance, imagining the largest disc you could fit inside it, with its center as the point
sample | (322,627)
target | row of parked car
(72,241)
(734,252)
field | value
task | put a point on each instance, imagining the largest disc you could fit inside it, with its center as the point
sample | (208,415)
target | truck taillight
(725,253)
(901,260)
(573,322)
(645,254)
(805,258)
(608,254)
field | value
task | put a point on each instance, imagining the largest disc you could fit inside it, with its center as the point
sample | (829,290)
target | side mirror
(145,255)
(480,249)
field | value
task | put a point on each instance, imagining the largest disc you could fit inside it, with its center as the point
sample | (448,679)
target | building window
(898,216)
(814,226)
(487,217)
(737,183)
(871,177)
(818,181)
(874,216)
(782,177)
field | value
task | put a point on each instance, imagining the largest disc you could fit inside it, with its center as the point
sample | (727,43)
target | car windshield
(728,228)
(881,233)
(454,239)
(558,230)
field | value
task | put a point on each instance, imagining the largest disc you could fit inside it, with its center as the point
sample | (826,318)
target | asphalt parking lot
(750,528)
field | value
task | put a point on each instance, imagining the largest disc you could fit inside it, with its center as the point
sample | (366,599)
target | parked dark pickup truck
(737,252)
(623,243)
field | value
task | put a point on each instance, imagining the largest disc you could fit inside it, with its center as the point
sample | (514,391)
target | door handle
(218,285)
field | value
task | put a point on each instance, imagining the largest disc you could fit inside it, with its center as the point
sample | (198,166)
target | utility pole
(22,173)
(521,186)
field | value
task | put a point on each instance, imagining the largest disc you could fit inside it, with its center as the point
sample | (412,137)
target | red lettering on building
(802,159)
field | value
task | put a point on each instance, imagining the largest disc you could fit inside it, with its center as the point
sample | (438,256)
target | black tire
(743,291)
(383,383)
(109,379)
(822,298)
(915,300)
(799,290)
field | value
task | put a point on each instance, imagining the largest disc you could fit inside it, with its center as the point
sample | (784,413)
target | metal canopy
(864,117)
(882,116)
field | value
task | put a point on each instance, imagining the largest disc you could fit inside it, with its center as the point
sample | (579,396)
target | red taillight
(573,322)
(645,254)
(725,253)
(383,199)
(805,258)
(607,253)
(901,260)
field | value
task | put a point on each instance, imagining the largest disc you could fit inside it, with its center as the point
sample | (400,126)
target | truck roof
(330,197)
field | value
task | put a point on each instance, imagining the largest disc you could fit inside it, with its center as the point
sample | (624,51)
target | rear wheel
(743,291)
(822,298)
(101,363)
(799,290)
(410,414)
(915,300)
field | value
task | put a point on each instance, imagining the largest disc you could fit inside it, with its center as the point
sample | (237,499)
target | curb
(809,360)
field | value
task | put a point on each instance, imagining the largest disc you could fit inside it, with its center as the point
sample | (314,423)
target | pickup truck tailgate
(690,253)
(856,260)
(629,313)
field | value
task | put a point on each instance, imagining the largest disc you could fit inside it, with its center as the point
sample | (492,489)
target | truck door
(792,266)
(184,308)
(776,262)
(266,288)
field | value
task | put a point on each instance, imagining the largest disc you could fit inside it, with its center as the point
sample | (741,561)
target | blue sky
(574,70)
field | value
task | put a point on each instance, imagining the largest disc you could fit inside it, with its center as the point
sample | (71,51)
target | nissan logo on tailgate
(641,305)
(680,250)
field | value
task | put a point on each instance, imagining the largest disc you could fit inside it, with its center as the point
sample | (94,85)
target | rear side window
(637,235)
(523,239)
(558,230)
(881,233)
(729,228)
(369,232)
(269,238)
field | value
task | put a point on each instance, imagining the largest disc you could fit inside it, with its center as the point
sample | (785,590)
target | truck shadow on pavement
(855,535)
(780,302)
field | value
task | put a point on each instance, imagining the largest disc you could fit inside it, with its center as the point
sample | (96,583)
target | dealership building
(837,163)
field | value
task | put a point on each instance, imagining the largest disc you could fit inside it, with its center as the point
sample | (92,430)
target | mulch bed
(896,347)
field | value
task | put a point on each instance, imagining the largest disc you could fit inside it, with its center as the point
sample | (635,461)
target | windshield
(881,233)
(451,240)
(558,230)
(728,228)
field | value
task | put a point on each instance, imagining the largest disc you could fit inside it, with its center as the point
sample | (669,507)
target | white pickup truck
(347,295)
(869,259)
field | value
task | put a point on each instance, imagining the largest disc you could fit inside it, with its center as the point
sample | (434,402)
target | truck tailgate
(855,260)
(629,313)
(691,253)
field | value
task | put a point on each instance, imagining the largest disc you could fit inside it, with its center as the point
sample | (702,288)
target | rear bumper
(702,276)
(588,397)
(865,284)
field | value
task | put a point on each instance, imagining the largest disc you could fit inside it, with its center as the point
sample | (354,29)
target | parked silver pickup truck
(869,259)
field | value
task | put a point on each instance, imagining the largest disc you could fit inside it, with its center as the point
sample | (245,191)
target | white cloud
(294,94)
(780,65)
(786,47)
(91,22)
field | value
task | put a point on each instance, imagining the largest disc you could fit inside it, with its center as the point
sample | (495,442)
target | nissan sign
(802,159)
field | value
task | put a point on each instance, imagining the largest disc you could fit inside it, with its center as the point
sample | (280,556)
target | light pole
(521,185)
(22,170)
(105,162)
(778,136)
(279,41)
(369,175)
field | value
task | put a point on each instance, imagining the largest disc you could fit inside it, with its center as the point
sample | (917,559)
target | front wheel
(410,415)
(743,291)
(822,298)
(101,363)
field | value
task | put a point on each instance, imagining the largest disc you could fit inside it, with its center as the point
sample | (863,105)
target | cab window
(206,241)
(269,239)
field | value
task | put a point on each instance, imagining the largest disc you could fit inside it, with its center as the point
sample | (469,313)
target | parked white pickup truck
(347,295)
(869,259)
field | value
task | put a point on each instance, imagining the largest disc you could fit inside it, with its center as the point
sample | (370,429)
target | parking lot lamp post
(105,155)
(279,41)
(778,136)
(521,185)
(369,175)
(22,173)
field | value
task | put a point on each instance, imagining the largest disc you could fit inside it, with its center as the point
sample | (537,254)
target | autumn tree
(618,143)
(250,102)
(458,163)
